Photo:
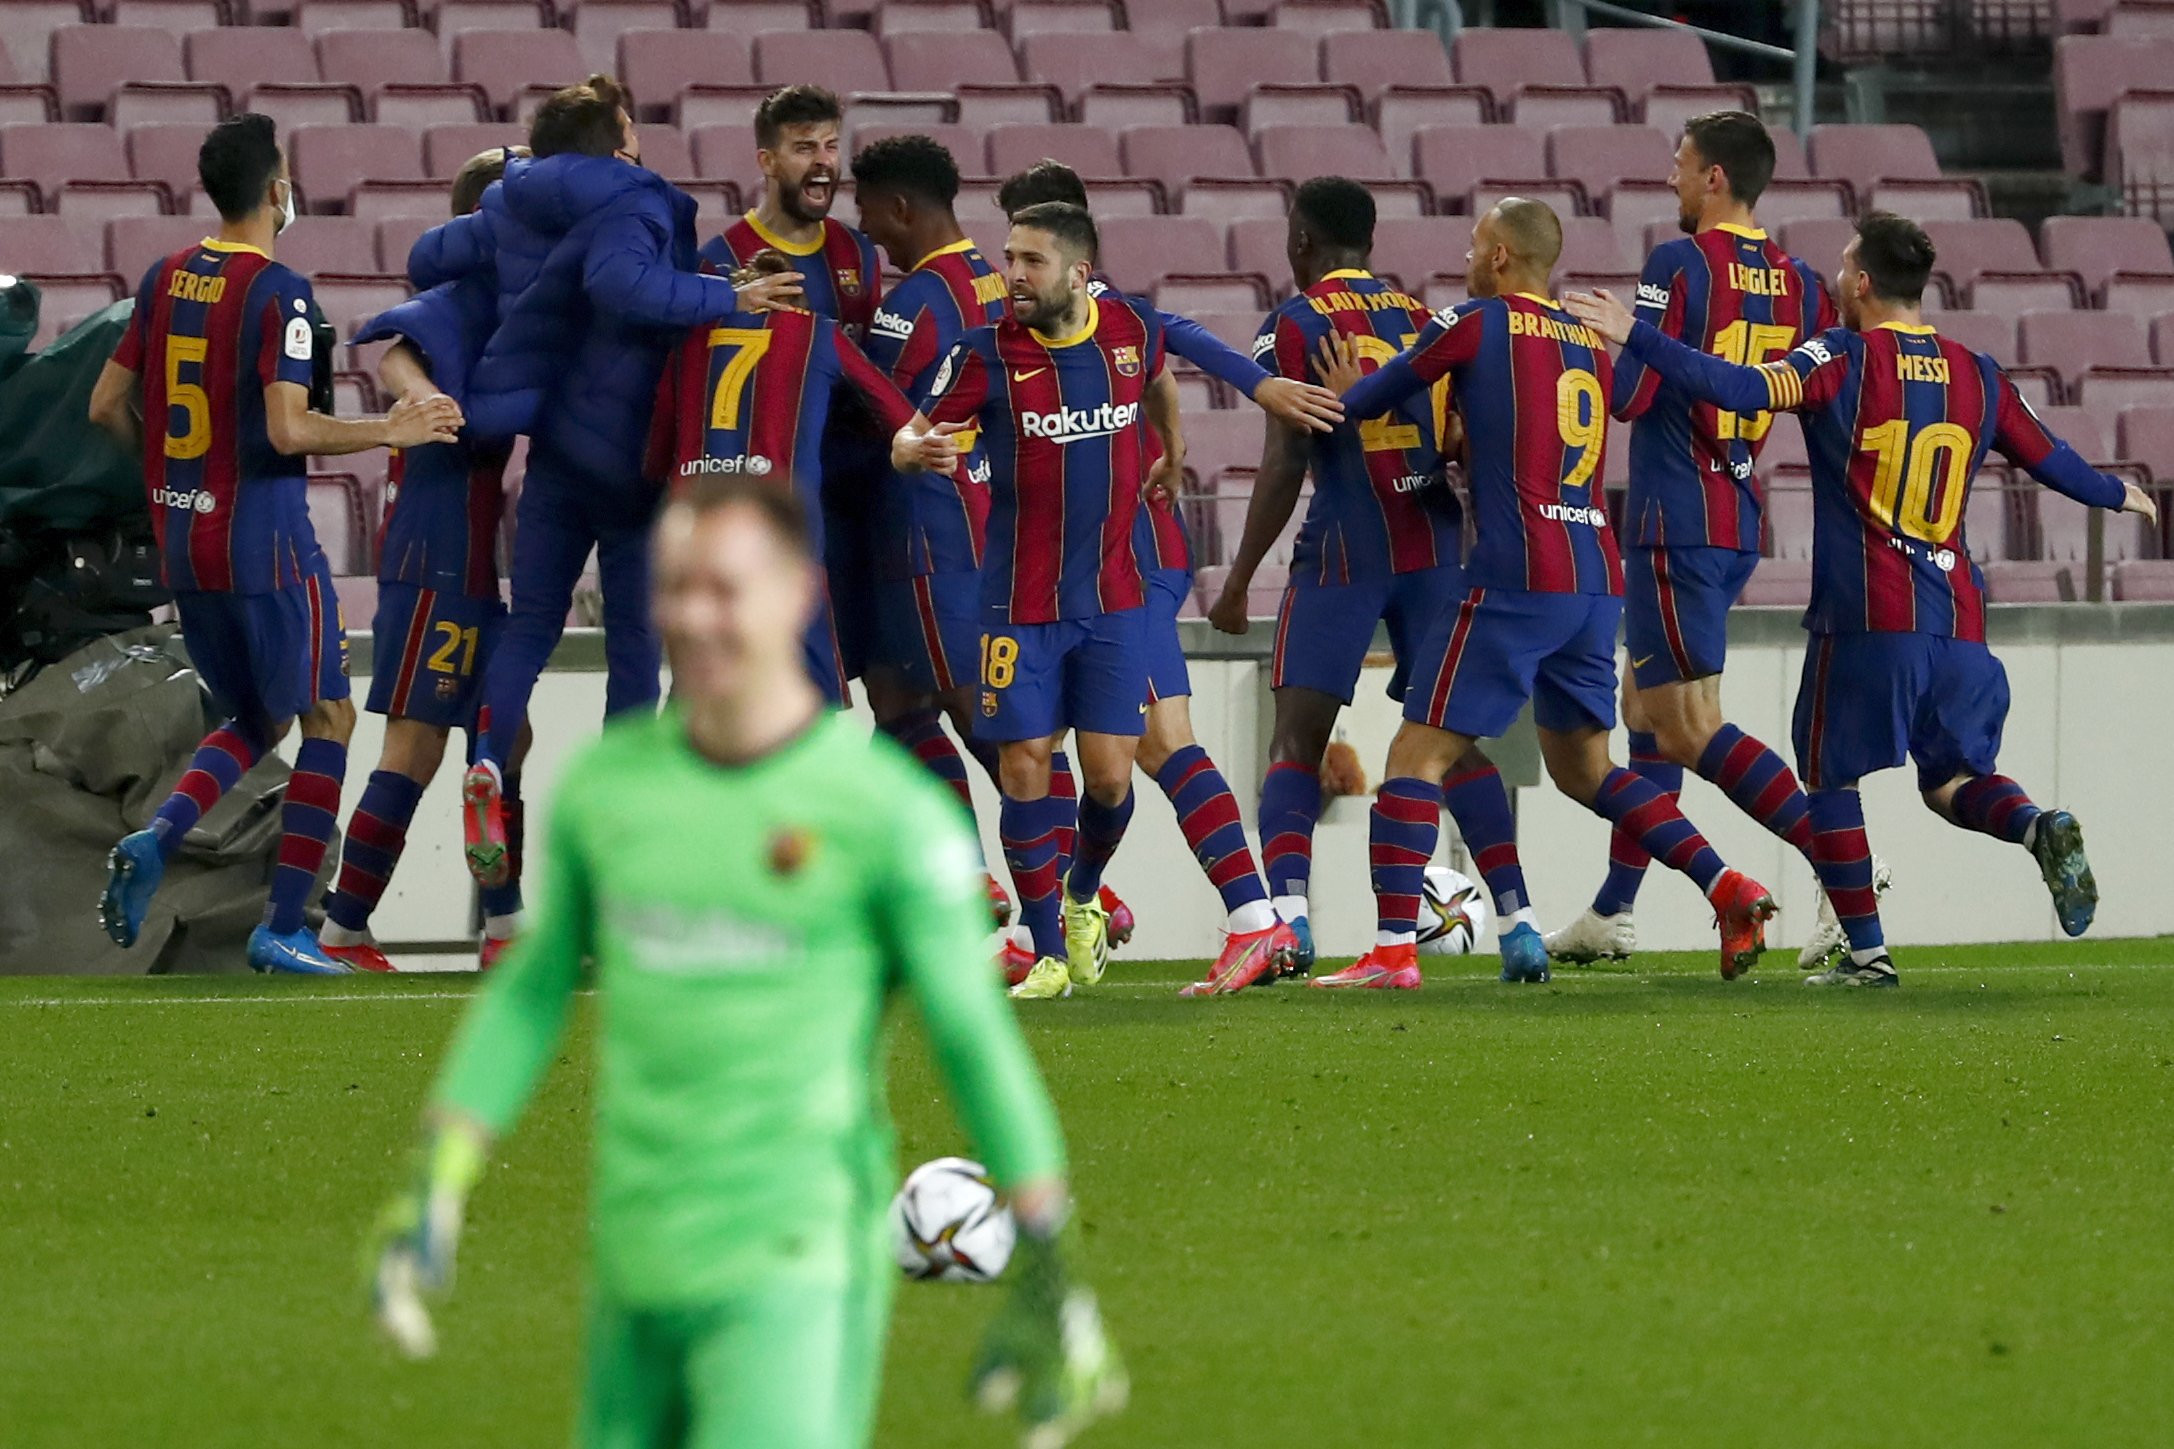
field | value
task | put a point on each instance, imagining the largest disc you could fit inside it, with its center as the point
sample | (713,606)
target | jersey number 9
(1581,416)
(1911,473)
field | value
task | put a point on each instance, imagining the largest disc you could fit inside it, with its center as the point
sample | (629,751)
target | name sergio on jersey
(1075,425)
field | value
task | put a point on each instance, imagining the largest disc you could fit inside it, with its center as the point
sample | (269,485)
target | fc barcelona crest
(448,687)
(790,849)
(1127,360)
(988,704)
(849,281)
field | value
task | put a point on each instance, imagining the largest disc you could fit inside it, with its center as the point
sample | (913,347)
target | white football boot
(1827,940)
(1593,937)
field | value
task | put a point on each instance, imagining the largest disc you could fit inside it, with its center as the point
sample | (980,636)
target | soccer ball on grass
(1452,914)
(946,1223)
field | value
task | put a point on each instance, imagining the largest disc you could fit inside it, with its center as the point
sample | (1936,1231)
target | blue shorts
(1167,676)
(1323,631)
(269,656)
(848,565)
(826,662)
(928,629)
(431,650)
(1676,604)
(1483,659)
(1084,674)
(1869,700)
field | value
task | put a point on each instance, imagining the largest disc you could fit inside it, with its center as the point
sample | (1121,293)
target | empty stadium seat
(49,155)
(1597,157)
(925,61)
(1566,198)
(26,29)
(1174,154)
(305,105)
(2096,247)
(1162,26)
(843,60)
(1123,58)
(1139,251)
(1413,248)
(369,60)
(1779,584)
(656,65)
(2138,580)
(1455,158)
(240,56)
(1401,112)
(88,61)
(1503,60)
(1374,60)
(328,161)
(504,61)
(1189,292)
(2106,392)
(1667,107)
(1545,107)
(1985,332)
(1966,248)
(316,245)
(1298,105)
(447,148)
(599,24)
(452,18)
(1061,17)
(1862,154)
(2073,342)
(89,205)
(2140,294)
(135,243)
(1302,151)
(167,153)
(69,297)
(1637,59)
(946,17)
(2011,294)
(1224,64)
(1256,244)
(1639,210)
(1589,246)
(1318,17)
(139,103)
(1116,106)
(1785,201)
(43,244)
(1089,150)
(2089,71)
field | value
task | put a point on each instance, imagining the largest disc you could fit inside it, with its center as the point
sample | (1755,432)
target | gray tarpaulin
(88,751)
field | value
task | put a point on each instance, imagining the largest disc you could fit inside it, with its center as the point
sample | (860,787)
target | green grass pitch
(1636,1207)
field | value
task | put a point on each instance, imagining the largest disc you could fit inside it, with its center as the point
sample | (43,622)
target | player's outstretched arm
(1300,404)
(1368,394)
(295,430)
(1725,384)
(628,270)
(405,374)
(460,248)
(925,447)
(114,405)
(2025,441)
(1276,484)
(1165,479)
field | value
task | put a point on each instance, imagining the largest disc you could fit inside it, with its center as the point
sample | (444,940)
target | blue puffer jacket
(594,262)
(450,325)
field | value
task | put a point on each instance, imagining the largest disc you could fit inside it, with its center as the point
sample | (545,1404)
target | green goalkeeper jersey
(747,925)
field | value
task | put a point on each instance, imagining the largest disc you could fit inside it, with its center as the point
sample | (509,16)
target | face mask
(286,208)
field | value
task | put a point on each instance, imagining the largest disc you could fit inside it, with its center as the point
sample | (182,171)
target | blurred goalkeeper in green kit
(751,875)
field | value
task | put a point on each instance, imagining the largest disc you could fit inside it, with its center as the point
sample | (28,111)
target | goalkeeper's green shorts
(791,1364)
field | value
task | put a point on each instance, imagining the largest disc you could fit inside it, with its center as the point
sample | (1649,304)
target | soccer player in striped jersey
(1206,810)
(1727,289)
(438,606)
(1531,385)
(1380,545)
(1898,420)
(928,526)
(752,395)
(798,149)
(211,381)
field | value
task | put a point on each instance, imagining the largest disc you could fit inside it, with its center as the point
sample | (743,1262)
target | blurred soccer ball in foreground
(946,1223)
(1452,914)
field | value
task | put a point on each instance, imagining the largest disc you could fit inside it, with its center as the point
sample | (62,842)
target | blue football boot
(295,953)
(2059,848)
(1524,954)
(1300,963)
(133,871)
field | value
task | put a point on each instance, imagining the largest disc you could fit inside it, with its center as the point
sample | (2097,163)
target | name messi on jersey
(1909,368)
(1070,425)
(1759,281)
(1534,324)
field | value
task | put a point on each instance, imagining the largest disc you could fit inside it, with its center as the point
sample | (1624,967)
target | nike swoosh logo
(1023,376)
(1641,663)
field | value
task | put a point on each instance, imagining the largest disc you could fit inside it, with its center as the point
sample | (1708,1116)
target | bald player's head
(1514,248)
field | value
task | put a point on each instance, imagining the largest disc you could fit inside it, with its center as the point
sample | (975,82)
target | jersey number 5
(1910,474)
(190,397)
(743,348)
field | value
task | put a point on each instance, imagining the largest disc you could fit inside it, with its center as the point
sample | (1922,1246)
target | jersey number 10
(1911,473)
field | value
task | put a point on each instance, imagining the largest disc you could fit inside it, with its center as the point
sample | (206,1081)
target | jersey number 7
(742,347)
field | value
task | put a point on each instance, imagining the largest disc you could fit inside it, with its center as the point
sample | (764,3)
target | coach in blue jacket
(594,262)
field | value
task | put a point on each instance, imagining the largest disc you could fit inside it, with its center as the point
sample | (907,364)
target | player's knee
(413,749)
(1023,769)
(1424,752)
(330,719)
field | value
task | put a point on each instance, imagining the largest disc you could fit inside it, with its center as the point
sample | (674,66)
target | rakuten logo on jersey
(1572,513)
(1073,425)
(187,502)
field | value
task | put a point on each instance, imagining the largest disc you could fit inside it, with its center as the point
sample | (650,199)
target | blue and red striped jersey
(752,394)
(1729,291)
(1897,421)
(1060,431)
(1530,383)
(444,503)
(934,523)
(1381,500)
(843,280)
(214,326)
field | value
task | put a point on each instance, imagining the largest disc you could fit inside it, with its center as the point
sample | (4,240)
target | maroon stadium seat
(2140,294)
(45,244)
(950,17)
(1503,60)
(418,106)
(1157,103)
(2139,19)
(1778,584)
(723,150)
(50,155)
(1667,107)
(89,205)
(1173,154)
(1818,241)
(1225,198)
(452,18)
(1785,201)
(133,243)
(1957,198)
(1320,17)
(1589,246)
(1139,251)
(1987,332)
(1966,248)
(2106,392)
(983,106)
(316,17)
(1402,111)
(305,105)
(1445,289)
(898,108)
(340,244)
(962,142)
(1162,25)
(328,160)
(1071,66)
(2089,71)
(1256,244)
(1635,60)
(90,60)
(370,59)
(1302,151)
(599,24)
(1545,107)
(2011,294)
(373,201)
(1789,162)
(1189,292)
(1596,157)
(658,64)
(26,103)
(2140,152)
(753,17)
(1061,17)
(1639,210)
(395,238)
(2080,429)
(71,297)
(2029,582)
(2072,342)
(1229,438)
(447,148)
(1374,60)
(1224,64)
(2144,579)
(2146,435)
(139,103)
(166,153)
(926,61)
(240,56)
(1567,198)
(503,61)
(1089,150)
(26,28)
(664,148)
(843,60)
(1298,105)
(2095,247)
(1413,248)
(1454,159)
(1862,154)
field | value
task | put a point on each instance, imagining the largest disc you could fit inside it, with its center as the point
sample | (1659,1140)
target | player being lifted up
(1531,386)
(218,356)
(1898,420)
(1255,944)
(928,527)
(1056,390)
(1380,544)
(1726,289)
(752,877)
(438,606)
